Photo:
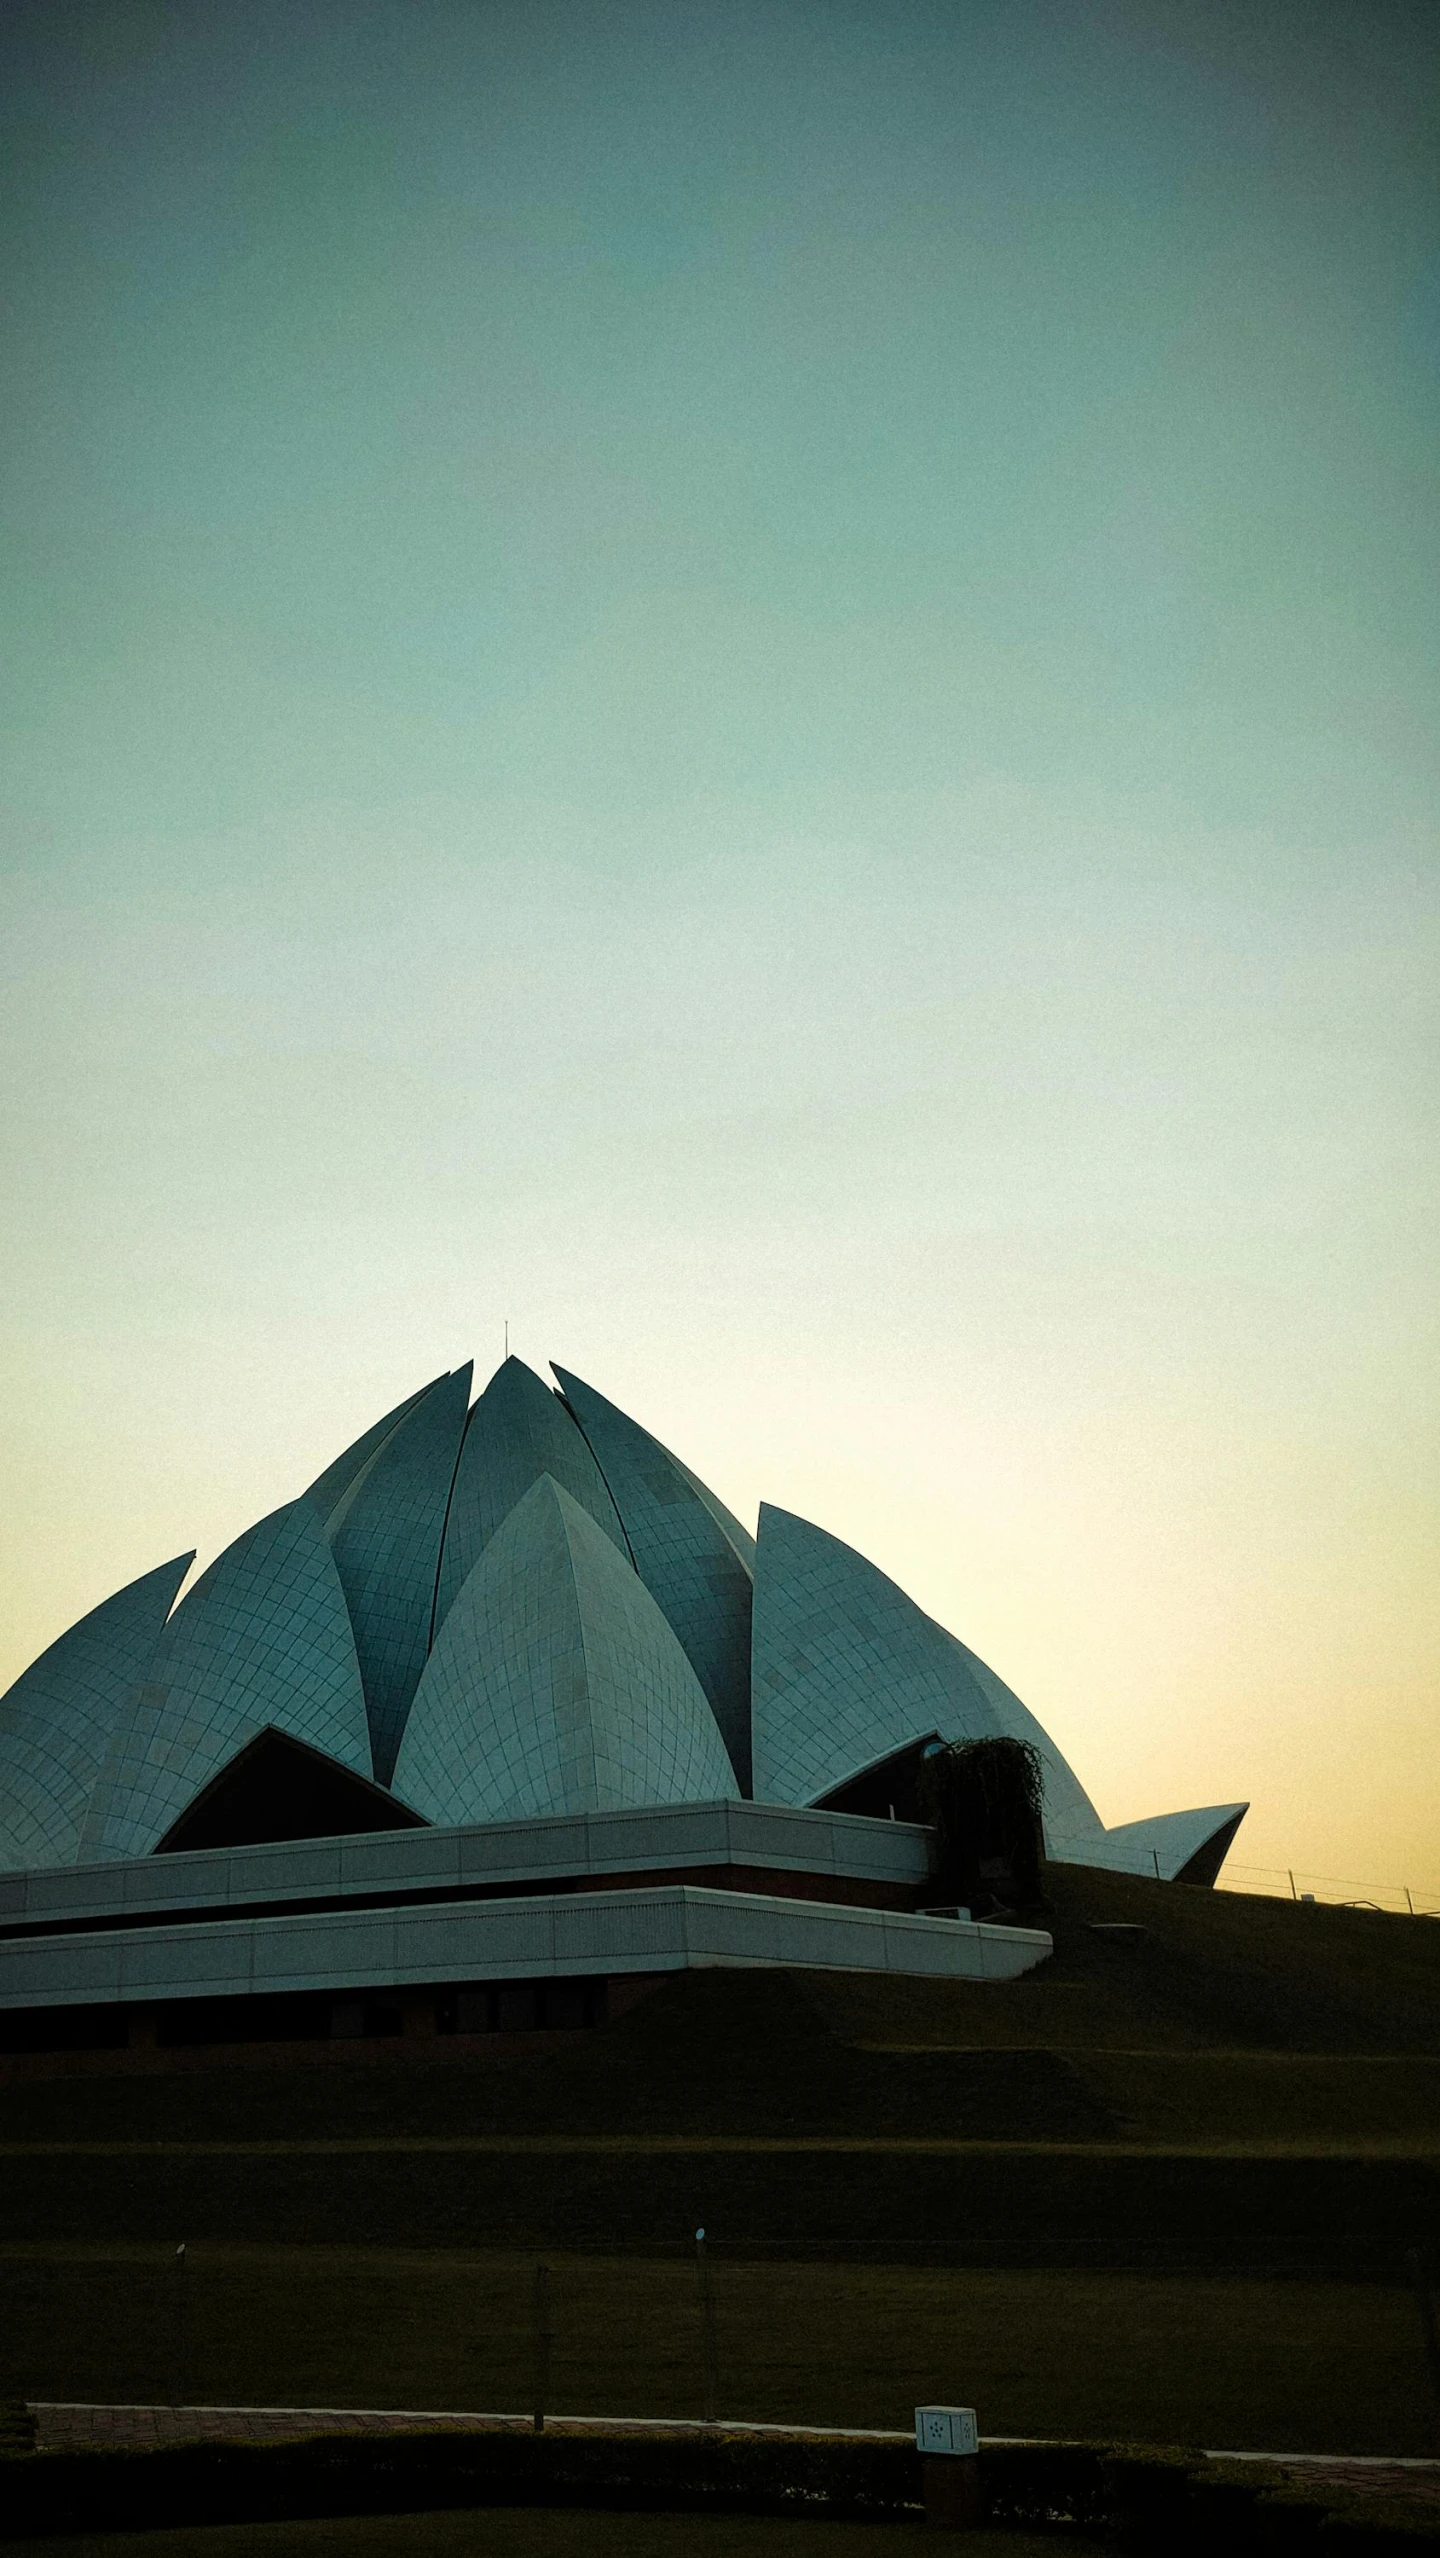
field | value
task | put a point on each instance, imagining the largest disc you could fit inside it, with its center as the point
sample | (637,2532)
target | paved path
(1363,2474)
(73,2426)
(62,2425)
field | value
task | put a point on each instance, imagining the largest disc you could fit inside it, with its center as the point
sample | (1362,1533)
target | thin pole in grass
(541,2326)
(182,2330)
(1424,2301)
(707,2316)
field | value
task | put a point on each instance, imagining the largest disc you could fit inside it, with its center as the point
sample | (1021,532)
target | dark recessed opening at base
(278,1788)
(889,1791)
(279,2018)
(377,2015)
(521,2007)
(314,2016)
(63,2029)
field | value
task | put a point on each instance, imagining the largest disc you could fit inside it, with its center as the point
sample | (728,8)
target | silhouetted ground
(1166,2185)
(544,2535)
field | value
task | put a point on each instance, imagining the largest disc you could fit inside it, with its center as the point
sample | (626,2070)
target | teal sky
(756,685)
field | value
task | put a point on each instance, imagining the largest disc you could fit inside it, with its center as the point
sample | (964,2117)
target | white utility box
(947,2429)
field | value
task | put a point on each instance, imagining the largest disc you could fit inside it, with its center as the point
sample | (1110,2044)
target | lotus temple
(499,1722)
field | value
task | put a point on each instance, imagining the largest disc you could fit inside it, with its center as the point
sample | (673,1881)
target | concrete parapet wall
(489,1854)
(548,1936)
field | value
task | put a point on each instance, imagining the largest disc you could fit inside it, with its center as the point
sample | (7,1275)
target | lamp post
(707,2317)
(1419,2272)
(182,2330)
(542,2344)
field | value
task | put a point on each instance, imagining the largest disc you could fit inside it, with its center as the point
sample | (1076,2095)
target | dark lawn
(528,2534)
(1219,2361)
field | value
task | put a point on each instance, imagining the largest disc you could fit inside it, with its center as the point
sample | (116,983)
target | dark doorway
(279,1788)
(887,1790)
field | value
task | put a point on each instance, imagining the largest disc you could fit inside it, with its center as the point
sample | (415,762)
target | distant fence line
(1287,1883)
(1290,1883)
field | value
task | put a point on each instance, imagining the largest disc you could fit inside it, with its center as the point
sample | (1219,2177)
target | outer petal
(556,1685)
(263,1639)
(847,1669)
(386,1537)
(57,1721)
(1069,1813)
(329,1489)
(1173,1847)
(517,1431)
(695,1559)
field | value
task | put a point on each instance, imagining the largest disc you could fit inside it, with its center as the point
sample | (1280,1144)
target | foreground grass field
(1100,2205)
(543,2535)
(1222,2362)
(1165,2186)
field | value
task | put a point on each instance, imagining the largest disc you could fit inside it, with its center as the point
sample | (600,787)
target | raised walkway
(63,2425)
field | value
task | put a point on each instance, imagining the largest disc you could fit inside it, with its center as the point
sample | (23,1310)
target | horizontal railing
(1292,1883)
(1277,1882)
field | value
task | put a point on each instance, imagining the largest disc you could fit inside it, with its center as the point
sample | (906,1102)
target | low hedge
(1164,2501)
(192,2483)
(1376,2528)
(1147,2499)
(1045,2486)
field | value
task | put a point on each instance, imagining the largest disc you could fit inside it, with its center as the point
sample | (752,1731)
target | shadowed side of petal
(59,1718)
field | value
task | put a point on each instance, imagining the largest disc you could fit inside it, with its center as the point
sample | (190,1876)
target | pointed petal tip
(513,1368)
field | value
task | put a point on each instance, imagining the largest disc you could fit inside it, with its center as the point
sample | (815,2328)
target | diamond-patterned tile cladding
(692,1556)
(57,1721)
(556,1685)
(386,1538)
(330,1487)
(846,1669)
(517,1431)
(263,1638)
(1070,1816)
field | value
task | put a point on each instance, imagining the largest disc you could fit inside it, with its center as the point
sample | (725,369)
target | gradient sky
(756,685)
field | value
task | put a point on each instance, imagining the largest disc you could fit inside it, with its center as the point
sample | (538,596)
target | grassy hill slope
(1220,2017)
(1066,2198)
(1239,2082)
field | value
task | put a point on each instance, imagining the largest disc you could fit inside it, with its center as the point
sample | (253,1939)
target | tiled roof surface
(517,1431)
(556,1685)
(691,1554)
(847,1669)
(57,1721)
(263,1638)
(386,1538)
